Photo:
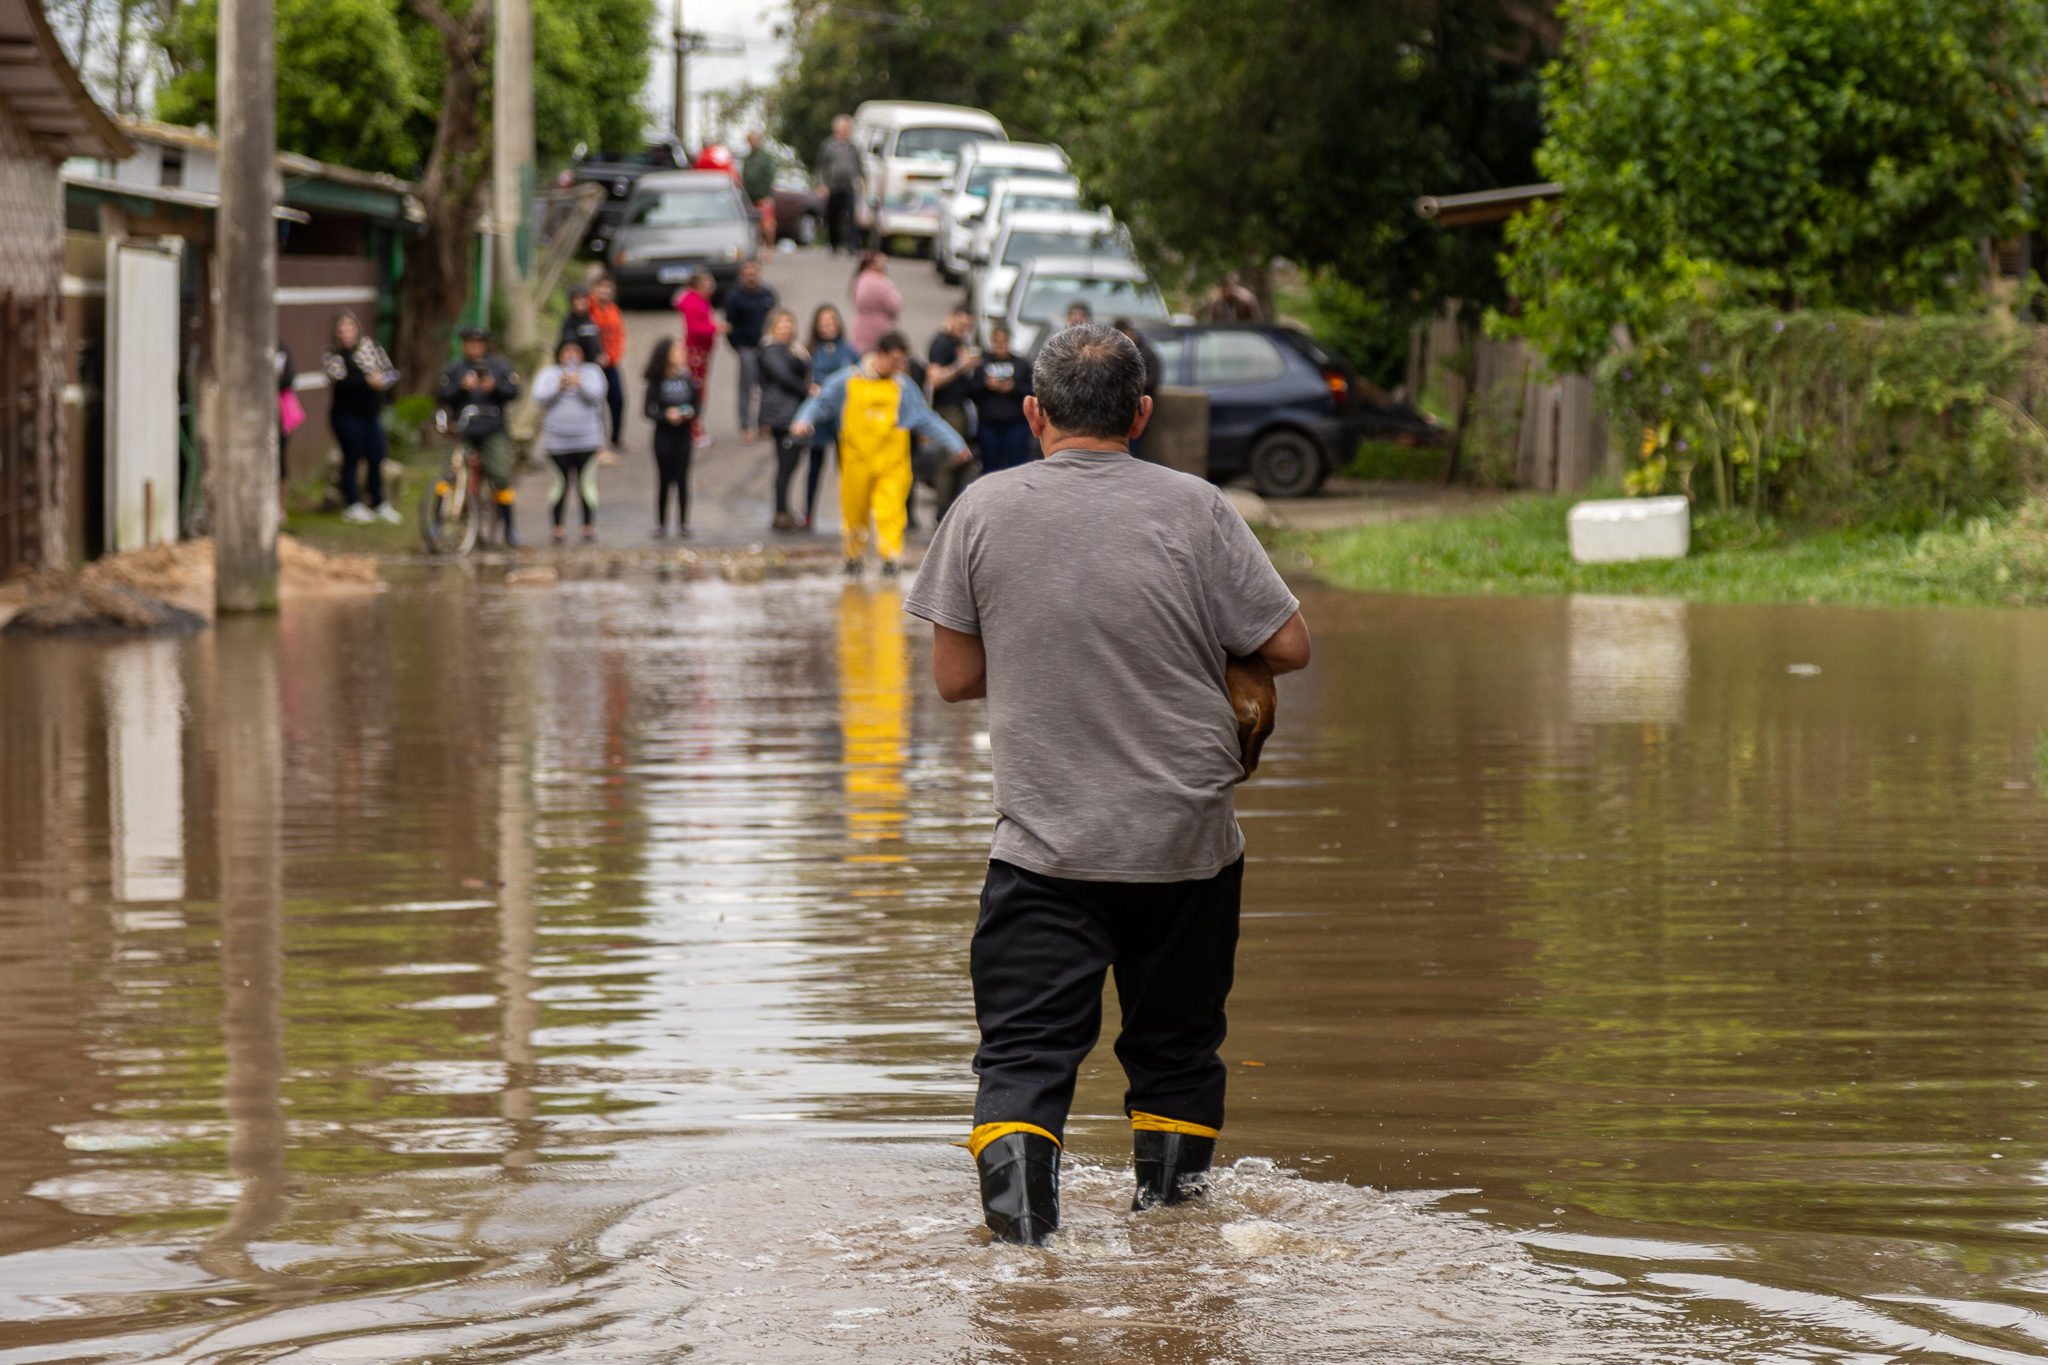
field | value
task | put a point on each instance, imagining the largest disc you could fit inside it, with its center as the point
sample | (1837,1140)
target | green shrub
(1898,422)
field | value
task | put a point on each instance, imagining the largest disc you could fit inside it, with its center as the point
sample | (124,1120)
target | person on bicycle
(475,391)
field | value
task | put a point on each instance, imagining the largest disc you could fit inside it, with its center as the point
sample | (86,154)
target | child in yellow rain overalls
(878,410)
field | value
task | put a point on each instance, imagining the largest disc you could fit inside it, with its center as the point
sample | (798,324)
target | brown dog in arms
(1253,699)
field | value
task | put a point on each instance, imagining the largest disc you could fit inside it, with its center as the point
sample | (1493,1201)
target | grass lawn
(1521,548)
(328,533)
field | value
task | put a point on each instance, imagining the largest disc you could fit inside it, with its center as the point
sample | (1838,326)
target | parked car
(1012,194)
(799,207)
(618,172)
(675,224)
(966,194)
(1049,285)
(1282,407)
(908,148)
(1028,235)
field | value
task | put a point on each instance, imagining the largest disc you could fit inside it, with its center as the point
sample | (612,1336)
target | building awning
(44,93)
(316,185)
(98,189)
(1484,206)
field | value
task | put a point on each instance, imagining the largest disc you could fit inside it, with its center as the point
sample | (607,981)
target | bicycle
(455,511)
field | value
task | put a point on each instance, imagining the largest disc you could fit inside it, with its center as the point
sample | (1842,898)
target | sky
(746,24)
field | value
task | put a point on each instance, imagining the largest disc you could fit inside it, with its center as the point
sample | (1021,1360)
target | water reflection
(1630,661)
(250,822)
(874,707)
(1683,1008)
(145,699)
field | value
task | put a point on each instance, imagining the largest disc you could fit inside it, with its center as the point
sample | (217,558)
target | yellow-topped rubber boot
(1020,1186)
(1172,1167)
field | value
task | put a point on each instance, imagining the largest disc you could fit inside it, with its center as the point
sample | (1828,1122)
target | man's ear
(1144,417)
(1034,418)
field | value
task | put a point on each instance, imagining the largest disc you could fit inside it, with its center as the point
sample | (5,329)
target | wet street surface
(732,482)
(484,973)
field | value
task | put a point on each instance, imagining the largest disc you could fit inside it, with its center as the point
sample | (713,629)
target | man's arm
(1288,650)
(822,406)
(959,664)
(917,417)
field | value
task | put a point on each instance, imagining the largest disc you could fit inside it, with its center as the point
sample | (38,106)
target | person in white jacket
(572,392)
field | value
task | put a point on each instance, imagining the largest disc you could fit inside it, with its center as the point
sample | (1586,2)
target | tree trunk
(436,283)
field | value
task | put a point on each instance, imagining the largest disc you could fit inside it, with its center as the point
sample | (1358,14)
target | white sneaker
(358,514)
(386,512)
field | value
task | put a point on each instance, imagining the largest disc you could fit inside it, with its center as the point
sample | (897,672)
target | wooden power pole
(681,116)
(512,174)
(245,459)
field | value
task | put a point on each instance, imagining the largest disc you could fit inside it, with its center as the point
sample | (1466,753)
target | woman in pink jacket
(876,302)
(701,327)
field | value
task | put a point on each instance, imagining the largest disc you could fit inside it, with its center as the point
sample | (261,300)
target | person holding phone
(953,360)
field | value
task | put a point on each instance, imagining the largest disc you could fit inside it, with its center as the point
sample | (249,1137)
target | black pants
(361,438)
(672,465)
(1040,950)
(839,220)
(615,399)
(789,454)
(570,468)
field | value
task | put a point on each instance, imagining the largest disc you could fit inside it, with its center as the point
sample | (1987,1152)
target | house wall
(31,239)
(310,291)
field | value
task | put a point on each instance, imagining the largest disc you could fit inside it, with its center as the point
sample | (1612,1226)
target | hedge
(1833,415)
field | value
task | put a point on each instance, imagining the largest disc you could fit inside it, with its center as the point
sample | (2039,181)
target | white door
(141,396)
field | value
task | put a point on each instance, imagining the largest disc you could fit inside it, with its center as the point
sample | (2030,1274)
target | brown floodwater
(479,973)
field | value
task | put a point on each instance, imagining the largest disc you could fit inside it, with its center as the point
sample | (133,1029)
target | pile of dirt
(301,568)
(168,588)
(177,571)
(71,604)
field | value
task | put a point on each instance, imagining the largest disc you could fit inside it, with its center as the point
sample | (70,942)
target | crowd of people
(952,416)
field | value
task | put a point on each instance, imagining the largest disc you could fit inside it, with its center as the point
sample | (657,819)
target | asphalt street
(732,488)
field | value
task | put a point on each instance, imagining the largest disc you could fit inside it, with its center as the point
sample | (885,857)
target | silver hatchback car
(675,224)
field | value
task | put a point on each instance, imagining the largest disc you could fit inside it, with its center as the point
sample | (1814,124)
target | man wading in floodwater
(1097,601)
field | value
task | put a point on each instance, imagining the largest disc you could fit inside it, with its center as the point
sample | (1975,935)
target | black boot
(1171,1166)
(1020,1187)
(505,513)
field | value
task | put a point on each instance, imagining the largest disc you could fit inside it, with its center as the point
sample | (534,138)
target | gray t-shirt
(1107,593)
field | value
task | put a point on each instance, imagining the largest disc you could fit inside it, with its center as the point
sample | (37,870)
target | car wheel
(945,276)
(806,229)
(1287,464)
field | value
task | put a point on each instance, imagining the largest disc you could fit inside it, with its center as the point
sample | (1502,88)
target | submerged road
(733,483)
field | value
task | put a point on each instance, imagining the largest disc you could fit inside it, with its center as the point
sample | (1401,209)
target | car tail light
(1340,387)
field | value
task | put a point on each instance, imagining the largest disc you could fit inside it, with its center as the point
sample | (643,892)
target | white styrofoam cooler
(1616,530)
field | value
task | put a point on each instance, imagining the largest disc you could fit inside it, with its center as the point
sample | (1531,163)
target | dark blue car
(1281,407)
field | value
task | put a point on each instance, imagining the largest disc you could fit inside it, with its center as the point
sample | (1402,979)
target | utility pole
(512,170)
(245,462)
(681,106)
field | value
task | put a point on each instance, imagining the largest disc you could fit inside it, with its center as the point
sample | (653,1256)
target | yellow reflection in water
(874,717)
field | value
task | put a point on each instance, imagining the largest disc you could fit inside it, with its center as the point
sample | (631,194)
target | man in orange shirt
(611,330)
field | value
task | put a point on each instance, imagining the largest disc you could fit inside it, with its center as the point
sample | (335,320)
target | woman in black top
(785,383)
(358,375)
(1000,387)
(672,407)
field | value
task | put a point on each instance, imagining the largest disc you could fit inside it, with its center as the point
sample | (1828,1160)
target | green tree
(591,60)
(351,88)
(948,51)
(360,82)
(1791,153)
(1206,128)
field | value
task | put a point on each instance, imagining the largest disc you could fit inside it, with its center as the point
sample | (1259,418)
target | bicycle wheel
(448,516)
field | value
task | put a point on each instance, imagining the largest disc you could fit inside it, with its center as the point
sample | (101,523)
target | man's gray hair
(1088,381)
